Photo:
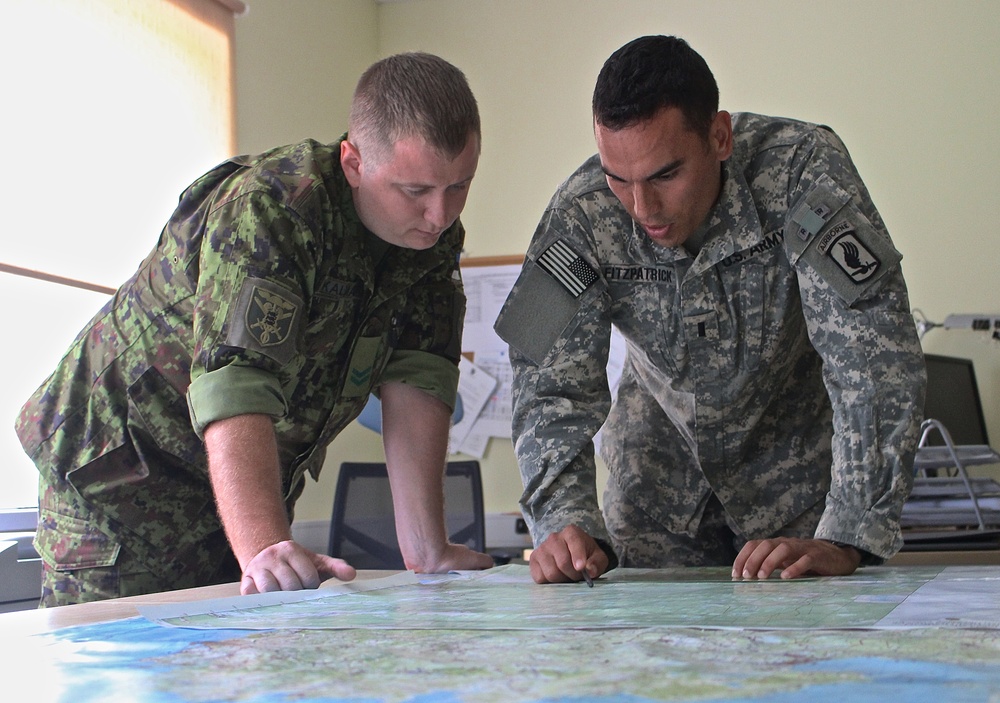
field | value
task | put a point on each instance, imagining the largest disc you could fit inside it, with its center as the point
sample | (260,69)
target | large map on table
(904,634)
(506,598)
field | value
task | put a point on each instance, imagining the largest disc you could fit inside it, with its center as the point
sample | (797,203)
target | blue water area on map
(142,632)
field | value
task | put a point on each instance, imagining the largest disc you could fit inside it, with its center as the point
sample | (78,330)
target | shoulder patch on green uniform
(265,319)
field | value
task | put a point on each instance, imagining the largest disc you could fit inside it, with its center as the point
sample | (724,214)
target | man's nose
(436,212)
(645,201)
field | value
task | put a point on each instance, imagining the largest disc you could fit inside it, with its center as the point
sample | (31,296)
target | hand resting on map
(760,558)
(288,566)
(453,557)
(564,556)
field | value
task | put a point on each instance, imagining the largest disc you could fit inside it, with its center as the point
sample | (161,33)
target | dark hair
(413,94)
(652,73)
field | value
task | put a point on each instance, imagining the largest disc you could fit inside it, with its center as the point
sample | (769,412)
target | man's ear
(350,161)
(721,135)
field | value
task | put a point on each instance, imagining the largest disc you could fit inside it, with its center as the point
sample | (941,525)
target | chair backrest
(363,528)
(953,399)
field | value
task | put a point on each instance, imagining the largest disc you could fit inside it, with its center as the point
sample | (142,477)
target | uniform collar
(732,224)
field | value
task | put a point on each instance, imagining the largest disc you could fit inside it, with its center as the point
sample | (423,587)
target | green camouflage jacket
(783,356)
(264,294)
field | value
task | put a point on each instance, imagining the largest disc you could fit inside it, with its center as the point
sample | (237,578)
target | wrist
(858,555)
(246,550)
(424,557)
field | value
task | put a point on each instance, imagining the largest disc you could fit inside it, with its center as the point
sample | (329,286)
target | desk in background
(625,653)
(971,557)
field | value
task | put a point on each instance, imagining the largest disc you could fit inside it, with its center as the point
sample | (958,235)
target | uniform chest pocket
(747,295)
(649,313)
(331,319)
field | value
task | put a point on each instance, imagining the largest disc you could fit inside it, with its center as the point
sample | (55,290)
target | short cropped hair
(652,73)
(412,95)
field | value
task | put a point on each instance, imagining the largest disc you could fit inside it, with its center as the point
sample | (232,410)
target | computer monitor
(953,400)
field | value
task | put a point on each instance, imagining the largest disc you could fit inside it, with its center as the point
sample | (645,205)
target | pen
(586,577)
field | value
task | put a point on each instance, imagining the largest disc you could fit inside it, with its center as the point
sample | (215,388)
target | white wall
(910,85)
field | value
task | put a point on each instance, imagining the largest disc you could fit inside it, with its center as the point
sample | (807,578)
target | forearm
(553,441)
(568,498)
(415,433)
(876,382)
(246,480)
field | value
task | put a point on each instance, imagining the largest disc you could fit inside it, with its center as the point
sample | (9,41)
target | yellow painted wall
(910,85)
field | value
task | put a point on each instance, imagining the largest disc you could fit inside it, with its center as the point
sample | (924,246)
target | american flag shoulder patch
(565,265)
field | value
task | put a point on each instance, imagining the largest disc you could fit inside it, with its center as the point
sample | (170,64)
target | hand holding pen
(568,555)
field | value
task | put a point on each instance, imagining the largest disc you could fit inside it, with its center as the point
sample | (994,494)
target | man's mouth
(657,231)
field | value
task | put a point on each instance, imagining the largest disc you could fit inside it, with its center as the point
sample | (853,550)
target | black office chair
(953,437)
(363,529)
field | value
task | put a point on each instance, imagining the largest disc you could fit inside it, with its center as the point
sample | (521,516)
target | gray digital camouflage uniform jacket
(784,354)
(261,296)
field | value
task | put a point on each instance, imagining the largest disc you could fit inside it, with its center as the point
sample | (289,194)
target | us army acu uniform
(772,384)
(265,294)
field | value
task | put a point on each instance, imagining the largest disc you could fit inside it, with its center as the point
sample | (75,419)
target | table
(36,621)
(671,635)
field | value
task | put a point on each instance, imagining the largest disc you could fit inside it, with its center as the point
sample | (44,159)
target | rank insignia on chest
(568,268)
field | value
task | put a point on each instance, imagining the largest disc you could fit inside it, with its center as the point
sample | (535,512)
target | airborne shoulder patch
(844,246)
(265,319)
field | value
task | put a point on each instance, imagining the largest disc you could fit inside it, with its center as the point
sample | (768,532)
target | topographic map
(506,598)
(903,634)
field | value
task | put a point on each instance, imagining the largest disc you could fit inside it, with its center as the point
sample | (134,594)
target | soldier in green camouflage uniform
(176,434)
(768,409)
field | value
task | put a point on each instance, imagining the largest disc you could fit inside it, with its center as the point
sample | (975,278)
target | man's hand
(566,555)
(455,557)
(288,566)
(759,558)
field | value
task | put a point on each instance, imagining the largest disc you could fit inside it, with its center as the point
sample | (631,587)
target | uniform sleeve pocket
(536,315)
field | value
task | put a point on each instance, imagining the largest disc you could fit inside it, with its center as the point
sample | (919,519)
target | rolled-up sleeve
(431,373)
(233,390)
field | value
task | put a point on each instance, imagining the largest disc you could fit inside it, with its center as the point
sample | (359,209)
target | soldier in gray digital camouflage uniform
(175,436)
(768,409)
